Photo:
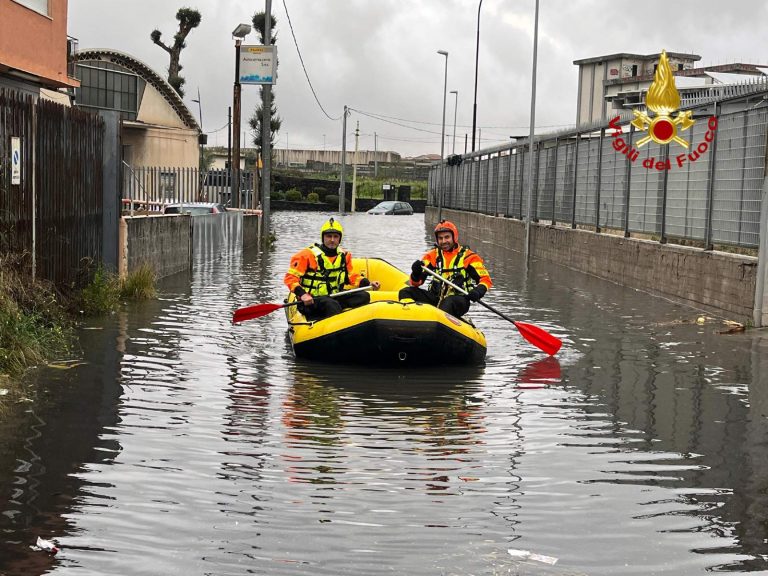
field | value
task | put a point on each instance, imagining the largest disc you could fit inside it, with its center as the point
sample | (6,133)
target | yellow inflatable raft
(386,331)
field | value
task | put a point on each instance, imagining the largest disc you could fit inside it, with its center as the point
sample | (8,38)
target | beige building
(603,79)
(157,127)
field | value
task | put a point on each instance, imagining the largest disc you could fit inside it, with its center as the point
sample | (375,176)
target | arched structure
(157,127)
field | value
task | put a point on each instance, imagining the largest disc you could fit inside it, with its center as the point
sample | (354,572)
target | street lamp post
(531,137)
(455,107)
(477,54)
(201,138)
(199,108)
(239,33)
(442,141)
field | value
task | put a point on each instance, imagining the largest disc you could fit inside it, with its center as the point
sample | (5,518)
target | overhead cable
(304,67)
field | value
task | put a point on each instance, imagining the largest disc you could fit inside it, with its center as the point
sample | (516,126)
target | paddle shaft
(334,295)
(460,289)
(535,335)
(259,310)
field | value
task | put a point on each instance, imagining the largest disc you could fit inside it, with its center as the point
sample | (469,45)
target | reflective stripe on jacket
(461,266)
(317,274)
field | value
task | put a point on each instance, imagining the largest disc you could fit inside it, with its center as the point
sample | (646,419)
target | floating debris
(46,545)
(733,327)
(528,555)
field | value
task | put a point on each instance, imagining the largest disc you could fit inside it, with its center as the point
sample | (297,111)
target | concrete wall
(163,242)
(251,230)
(171,243)
(719,282)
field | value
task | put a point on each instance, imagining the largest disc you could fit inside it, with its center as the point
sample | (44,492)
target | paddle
(539,337)
(259,310)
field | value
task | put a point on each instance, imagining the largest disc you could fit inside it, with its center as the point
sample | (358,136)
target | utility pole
(266,130)
(229,141)
(234,199)
(354,167)
(531,136)
(342,186)
(375,155)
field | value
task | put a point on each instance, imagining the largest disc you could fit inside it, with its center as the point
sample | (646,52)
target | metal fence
(152,188)
(53,216)
(709,193)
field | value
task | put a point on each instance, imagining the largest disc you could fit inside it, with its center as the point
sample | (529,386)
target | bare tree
(188,18)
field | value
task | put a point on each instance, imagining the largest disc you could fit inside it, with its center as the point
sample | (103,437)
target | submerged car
(391,207)
(195,208)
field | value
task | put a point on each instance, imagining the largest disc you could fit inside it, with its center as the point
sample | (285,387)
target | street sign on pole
(15,160)
(258,64)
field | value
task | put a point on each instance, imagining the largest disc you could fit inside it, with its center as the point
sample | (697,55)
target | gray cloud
(379,56)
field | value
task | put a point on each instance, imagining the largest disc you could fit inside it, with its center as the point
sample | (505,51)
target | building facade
(603,78)
(34,47)
(157,127)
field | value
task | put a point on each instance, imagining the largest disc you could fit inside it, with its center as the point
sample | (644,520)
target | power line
(383,116)
(290,25)
(217,130)
(382,119)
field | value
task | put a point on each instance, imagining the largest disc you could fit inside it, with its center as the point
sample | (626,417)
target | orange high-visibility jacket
(461,266)
(319,274)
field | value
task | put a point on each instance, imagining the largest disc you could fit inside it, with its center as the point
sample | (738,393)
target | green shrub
(320,191)
(34,326)
(313,197)
(369,189)
(279,195)
(293,195)
(139,284)
(106,290)
(102,295)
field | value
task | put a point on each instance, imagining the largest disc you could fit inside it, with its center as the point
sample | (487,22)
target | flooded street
(181,444)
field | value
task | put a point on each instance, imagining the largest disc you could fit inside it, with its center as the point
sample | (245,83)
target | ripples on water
(187,446)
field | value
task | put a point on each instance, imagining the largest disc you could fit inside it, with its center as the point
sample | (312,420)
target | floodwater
(179,444)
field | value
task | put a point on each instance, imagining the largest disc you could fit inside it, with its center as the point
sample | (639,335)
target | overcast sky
(380,57)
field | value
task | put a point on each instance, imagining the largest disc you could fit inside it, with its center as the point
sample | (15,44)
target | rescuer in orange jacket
(453,262)
(323,269)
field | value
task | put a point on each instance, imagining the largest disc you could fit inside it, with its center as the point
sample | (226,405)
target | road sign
(258,64)
(15,160)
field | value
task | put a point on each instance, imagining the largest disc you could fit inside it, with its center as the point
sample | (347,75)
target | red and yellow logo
(664,127)
(663,99)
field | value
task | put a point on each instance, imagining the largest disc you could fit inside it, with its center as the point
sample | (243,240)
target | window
(40,6)
(634,69)
(104,85)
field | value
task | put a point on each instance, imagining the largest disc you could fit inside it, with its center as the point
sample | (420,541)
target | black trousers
(325,306)
(456,305)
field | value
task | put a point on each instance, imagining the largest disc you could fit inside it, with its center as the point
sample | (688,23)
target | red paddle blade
(539,337)
(254,311)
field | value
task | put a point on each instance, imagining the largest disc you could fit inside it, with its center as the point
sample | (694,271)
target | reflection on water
(184,445)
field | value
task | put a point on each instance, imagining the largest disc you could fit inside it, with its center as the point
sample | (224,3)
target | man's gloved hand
(416,269)
(477,292)
(364,282)
(307,299)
